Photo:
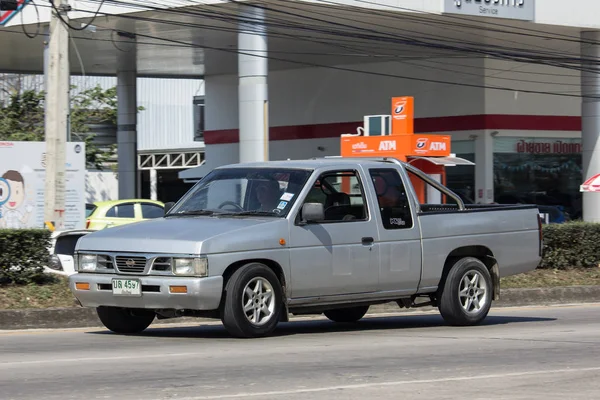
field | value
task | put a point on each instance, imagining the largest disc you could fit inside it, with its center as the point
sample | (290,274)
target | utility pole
(56,119)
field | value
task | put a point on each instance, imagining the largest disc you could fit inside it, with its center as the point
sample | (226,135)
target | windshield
(244,191)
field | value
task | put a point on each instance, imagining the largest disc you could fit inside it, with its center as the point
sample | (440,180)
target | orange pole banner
(403,115)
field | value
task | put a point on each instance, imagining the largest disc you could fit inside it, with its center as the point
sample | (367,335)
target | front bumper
(202,293)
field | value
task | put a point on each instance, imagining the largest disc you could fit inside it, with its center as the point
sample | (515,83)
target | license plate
(126,287)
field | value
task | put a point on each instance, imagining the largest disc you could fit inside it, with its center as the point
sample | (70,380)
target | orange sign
(429,145)
(371,146)
(403,115)
(397,146)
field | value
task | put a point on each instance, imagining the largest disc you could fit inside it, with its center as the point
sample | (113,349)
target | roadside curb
(78,317)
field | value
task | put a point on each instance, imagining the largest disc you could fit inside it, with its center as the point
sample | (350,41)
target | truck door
(400,237)
(338,255)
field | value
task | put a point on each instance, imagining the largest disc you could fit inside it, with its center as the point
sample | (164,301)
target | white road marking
(392,383)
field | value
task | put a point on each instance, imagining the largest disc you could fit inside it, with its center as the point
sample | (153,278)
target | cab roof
(313,163)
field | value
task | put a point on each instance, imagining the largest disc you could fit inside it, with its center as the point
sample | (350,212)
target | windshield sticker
(282,205)
(286,196)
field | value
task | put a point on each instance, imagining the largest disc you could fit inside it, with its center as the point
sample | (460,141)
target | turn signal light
(178,289)
(82,286)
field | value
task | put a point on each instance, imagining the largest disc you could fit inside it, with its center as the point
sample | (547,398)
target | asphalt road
(523,353)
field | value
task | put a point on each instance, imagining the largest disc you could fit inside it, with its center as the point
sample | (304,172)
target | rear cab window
(392,198)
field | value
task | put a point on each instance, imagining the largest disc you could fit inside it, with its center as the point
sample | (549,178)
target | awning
(446,161)
(591,185)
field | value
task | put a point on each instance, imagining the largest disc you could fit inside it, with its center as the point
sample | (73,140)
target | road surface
(521,353)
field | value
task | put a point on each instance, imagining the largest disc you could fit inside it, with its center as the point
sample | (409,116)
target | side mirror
(168,207)
(313,212)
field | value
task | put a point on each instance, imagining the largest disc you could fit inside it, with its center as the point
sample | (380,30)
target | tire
(460,308)
(125,320)
(351,314)
(263,311)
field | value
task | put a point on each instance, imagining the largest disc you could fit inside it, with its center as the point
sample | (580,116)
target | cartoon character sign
(4,193)
(12,199)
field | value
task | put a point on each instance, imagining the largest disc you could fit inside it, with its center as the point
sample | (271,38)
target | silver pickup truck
(251,244)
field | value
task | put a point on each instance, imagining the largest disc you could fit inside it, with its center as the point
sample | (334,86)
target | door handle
(367,240)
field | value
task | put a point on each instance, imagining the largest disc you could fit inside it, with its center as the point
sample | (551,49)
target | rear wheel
(351,314)
(125,320)
(253,302)
(466,296)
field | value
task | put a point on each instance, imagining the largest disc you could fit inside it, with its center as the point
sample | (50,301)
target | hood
(180,235)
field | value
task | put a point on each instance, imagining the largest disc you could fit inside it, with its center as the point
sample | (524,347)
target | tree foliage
(22,119)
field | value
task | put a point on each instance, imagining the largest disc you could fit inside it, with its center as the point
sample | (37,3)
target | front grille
(135,265)
(105,262)
(161,264)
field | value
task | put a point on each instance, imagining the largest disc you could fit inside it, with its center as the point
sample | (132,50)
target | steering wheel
(231,203)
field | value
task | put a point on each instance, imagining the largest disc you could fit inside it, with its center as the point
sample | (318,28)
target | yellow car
(106,214)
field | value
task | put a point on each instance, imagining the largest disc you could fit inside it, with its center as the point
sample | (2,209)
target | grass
(54,294)
(553,278)
(57,293)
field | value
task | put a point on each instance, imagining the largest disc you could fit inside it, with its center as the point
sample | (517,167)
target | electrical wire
(58,14)
(38,24)
(339,68)
(512,57)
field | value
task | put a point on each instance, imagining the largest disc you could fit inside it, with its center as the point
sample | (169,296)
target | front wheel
(466,295)
(125,320)
(351,314)
(253,302)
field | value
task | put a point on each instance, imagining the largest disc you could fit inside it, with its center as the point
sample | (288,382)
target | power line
(330,67)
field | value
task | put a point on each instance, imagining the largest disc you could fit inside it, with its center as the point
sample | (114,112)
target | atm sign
(431,145)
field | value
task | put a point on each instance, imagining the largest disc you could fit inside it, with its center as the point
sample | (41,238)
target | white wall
(101,186)
(532,77)
(320,95)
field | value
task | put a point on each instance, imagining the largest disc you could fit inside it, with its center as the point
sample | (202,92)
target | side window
(342,196)
(121,211)
(392,198)
(152,211)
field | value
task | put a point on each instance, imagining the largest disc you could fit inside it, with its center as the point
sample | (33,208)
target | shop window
(543,171)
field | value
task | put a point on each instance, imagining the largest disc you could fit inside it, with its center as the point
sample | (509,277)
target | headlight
(88,262)
(55,263)
(190,266)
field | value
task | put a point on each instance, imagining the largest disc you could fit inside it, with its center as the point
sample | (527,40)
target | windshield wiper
(255,212)
(194,212)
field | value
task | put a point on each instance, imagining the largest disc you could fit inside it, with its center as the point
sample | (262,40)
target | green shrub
(574,244)
(23,255)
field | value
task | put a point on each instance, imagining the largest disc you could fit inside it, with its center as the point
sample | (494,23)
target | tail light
(87,224)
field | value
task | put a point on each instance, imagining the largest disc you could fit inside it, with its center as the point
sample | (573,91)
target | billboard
(22,185)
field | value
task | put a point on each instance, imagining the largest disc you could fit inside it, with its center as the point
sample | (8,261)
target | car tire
(345,315)
(253,302)
(467,293)
(125,320)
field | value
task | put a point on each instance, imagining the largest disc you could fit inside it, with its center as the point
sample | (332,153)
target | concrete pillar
(153,184)
(484,168)
(590,121)
(252,90)
(127,119)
